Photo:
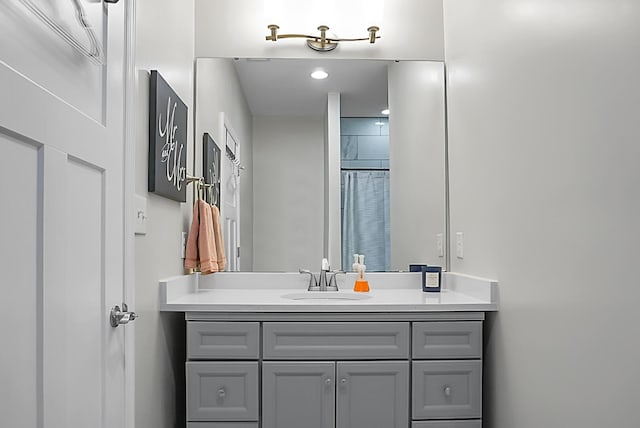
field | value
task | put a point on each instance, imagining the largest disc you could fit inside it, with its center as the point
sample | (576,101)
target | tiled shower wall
(364,142)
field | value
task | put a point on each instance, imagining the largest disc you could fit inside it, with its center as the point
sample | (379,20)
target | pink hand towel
(201,248)
(192,259)
(219,243)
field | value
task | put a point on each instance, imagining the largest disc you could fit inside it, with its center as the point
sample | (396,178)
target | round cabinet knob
(328,382)
(222,393)
(447,391)
(343,381)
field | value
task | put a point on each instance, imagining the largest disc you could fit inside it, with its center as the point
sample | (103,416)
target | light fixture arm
(320,43)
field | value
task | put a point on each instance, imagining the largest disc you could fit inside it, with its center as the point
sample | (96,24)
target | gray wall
(544,149)
(165,42)
(288,224)
(218,90)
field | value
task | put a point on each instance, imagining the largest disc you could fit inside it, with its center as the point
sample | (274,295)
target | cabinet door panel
(298,394)
(373,394)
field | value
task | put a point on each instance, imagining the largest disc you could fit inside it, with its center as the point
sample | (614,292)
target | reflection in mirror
(364,185)
(387,174)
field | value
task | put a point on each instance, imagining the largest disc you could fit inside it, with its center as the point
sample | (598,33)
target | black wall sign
(167,141)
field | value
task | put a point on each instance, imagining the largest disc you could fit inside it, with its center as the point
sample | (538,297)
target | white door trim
(129,207)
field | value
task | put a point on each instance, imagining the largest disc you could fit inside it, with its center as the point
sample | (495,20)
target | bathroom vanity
(399,358)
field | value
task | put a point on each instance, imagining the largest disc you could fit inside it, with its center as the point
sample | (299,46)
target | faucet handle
(333,282)
(313,282)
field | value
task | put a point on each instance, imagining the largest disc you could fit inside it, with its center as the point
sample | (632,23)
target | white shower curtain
(365,219)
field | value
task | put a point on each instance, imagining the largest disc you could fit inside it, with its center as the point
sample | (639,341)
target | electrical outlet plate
(183,244)
(140,215)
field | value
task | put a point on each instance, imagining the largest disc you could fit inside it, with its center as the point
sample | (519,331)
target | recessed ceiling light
(319,74)
(385,111)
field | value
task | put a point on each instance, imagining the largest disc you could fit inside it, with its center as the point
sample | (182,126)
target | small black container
(431,277)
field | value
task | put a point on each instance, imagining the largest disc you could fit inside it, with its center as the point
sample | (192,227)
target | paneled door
(372,394)
(298,394)
(230,193)
(62,71)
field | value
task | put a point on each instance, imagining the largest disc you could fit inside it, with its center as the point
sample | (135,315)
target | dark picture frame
(167,141)
(211,166)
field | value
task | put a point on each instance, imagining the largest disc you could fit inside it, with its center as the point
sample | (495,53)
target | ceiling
(282,87)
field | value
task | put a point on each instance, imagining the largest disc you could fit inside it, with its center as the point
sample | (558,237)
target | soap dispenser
(361,284)
(355,266)
(362,266)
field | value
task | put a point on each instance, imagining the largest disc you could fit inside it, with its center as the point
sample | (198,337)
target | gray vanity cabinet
(333,370)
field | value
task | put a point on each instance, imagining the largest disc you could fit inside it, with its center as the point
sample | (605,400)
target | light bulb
(319,74)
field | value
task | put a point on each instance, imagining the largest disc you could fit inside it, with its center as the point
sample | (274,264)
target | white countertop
(263,292)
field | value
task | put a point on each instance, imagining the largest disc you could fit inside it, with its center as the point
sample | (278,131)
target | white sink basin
(326,295)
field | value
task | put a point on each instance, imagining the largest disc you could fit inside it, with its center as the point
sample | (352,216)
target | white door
(61,187)
(230,194)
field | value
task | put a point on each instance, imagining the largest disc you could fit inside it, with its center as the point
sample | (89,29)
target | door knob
(118,317)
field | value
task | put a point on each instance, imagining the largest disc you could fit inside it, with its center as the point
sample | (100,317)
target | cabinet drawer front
(226,391)
(319,341)
(439,340)
(447,424)
(222,425)
(206,340)
(447,389)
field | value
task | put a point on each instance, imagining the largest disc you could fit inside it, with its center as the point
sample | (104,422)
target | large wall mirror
(324,172)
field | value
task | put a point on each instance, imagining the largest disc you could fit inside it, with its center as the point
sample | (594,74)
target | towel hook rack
(201,187)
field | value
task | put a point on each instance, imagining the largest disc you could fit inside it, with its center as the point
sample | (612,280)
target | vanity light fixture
(385,111)
(321,43)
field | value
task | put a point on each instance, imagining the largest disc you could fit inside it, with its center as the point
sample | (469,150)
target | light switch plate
(460,245)
(183,244)
(140,215)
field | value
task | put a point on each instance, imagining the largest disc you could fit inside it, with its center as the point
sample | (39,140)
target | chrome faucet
(322,282)
(326,281)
